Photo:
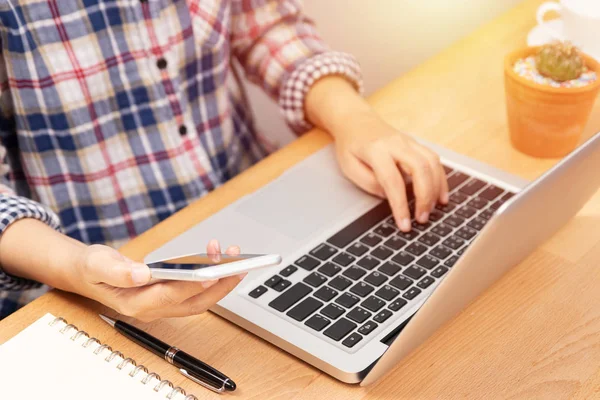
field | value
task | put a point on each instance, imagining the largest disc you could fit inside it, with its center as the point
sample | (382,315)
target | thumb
(110,267)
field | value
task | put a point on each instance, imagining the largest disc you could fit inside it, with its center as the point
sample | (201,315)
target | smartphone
(205,267)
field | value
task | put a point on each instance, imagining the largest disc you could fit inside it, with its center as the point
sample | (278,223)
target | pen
(189,366)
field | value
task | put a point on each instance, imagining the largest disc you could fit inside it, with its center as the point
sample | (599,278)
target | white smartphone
(204,267)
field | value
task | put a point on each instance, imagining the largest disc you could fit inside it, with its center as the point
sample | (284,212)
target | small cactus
(560,61)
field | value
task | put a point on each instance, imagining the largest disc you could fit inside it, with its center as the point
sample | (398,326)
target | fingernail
(445,198)
(207,284)
(139,274)
(424,217)
(218,247)
(405,225)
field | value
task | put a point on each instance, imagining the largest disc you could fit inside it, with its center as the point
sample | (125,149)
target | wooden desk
(535,334)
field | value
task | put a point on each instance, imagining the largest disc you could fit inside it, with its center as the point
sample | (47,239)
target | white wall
(388,37)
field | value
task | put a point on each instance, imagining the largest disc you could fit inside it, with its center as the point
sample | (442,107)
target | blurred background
(388,37)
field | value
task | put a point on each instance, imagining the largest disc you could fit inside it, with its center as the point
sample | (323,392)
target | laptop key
(454,242)
(376,279)
(466,233)
(344,259)
(466,212)
(367,328)
(329,269)
(281,286)
(323,252)
(290,297)
(332,311)
(440,252)
(305,308)
(410,235)
(447,170)
(441,229)
(368,262)
(340,283)
(425,282)
(428,261)
(439,271)
(472,186)
(361,225)
(486,214)
(371,240)
(259,291)
(325,293)
(340,329)
(477,223)
(451,261)
(416,248)
(382,316)
(414,272)
(287,271)
(315,279)
(347,300)
(358,314)
(354,272)
(351,340)
(373,303)
(456,179)
(429,239)
(389,268)
(362,289)
(403,258)
(436,215)
(411,293)
(387,292)
(507,196)
(446,208)
(272,281)
(478,203)
(420,227)
(395,243)
(491,192)
(385,230)
(308,263)
(317,322)
(397,304)
(458,198)
(401,282)
(357,249)
(454,221)
(381,252)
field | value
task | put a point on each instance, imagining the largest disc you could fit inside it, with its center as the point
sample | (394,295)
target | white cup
(581,21)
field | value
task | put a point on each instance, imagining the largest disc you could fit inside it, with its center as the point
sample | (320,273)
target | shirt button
(183,130)
(161,63)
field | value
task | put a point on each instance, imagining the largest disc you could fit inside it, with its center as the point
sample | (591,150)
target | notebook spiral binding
(126,360)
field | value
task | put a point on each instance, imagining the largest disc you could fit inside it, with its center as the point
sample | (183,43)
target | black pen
(189,366)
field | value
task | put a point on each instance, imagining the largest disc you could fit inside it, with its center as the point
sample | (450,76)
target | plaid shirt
(116,114)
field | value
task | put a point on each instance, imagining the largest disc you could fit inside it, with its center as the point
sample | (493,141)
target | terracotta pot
(545,121)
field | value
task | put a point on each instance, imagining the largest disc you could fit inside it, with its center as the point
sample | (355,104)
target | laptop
(355,295)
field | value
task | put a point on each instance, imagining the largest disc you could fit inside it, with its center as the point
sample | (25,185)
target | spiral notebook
(52,359)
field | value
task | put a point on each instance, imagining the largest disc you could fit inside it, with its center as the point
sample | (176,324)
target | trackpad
(305,200)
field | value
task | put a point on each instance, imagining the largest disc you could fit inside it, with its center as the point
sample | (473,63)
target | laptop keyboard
(370,270)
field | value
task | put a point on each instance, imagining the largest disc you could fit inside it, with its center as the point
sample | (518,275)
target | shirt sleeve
(280,50)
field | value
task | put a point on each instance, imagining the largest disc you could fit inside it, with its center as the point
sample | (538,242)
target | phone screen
(200,261)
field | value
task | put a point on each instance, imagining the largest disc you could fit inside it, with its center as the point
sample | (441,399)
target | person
(114,115)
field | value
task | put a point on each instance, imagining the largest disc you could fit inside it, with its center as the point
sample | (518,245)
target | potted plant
(550,92)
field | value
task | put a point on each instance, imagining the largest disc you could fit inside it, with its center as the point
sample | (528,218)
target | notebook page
(40,362)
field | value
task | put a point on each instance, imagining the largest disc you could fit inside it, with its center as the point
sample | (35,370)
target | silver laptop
(355,295)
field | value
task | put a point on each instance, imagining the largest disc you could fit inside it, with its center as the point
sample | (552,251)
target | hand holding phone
(205,267)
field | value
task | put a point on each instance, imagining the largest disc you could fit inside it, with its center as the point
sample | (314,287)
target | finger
(213,249)
(391,180)
(233,251)
(202,302)
(423,182)
(108,266)
(361,175)
(437,172)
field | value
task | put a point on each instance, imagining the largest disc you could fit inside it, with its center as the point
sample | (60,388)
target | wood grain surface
(534,335)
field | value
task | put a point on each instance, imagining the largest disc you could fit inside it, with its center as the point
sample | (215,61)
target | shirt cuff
(299,82)
(12,209)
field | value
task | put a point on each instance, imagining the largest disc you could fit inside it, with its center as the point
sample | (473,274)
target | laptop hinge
(389,339)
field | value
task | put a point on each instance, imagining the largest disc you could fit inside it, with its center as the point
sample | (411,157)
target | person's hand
(375,156)
(105,275)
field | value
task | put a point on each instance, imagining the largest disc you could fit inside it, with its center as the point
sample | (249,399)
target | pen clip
(201,383)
